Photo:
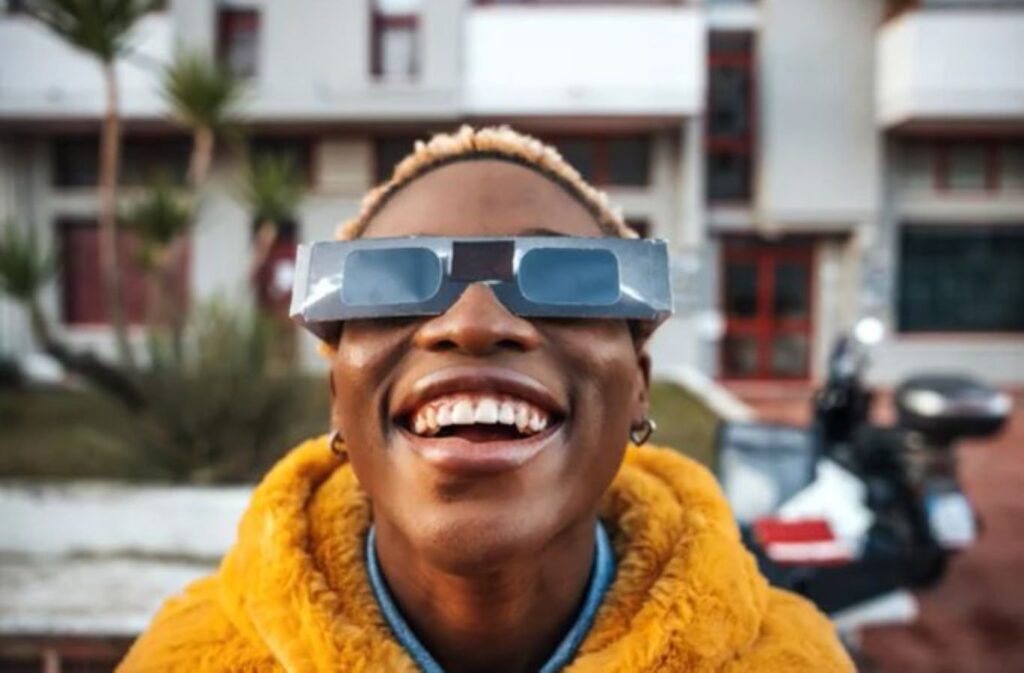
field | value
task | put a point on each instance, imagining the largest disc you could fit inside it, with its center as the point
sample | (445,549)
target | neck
(505,618)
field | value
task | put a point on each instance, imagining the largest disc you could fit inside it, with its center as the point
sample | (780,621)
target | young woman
(485,501)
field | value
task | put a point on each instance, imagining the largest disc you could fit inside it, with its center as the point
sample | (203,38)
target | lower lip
(461,456)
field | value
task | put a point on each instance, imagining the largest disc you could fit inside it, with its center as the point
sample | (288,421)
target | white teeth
(486,411)
(462,413)
(430,415)
(444,415)
(466,409)
(522,417)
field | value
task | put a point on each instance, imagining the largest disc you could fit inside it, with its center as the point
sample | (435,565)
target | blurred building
(810,161)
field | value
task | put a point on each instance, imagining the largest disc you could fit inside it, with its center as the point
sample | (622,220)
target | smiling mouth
(478,417)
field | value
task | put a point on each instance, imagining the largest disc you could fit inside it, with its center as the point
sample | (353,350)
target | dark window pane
(789,355)
(145,160)
(729,102)
(639,225)
(579,153)
(967,166)
(76,160)
(739,353)
(791,290)
(962,279)
(388,151)
(629,160)
(741,290)
(728,177)
(238,40)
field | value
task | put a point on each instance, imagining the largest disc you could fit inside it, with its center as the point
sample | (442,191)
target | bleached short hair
(497,142)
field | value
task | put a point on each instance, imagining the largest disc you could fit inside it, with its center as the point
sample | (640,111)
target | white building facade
(809,161)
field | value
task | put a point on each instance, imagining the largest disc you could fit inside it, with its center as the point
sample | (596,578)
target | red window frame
(764,326)
(742,57)
(230,21)
(83,302)
(381,23)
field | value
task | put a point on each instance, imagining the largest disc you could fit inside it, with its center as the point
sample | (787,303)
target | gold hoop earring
(336,443)
(639,434)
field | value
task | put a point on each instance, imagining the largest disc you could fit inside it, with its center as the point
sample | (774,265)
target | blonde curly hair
(499,142)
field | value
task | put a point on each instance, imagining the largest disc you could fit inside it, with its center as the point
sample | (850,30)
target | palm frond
(25,267)
(160,216)
(201,93)
(272,188)
(100,27)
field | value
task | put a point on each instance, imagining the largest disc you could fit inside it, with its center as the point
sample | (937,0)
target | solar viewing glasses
(532,276)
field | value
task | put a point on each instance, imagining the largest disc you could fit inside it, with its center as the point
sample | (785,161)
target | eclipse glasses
(532,276)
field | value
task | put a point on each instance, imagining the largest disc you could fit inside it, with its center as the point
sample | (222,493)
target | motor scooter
(854,515)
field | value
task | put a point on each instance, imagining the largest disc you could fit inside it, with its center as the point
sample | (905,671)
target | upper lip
(475,380)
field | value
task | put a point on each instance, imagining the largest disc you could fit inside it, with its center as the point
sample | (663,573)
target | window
(963,165)
(961,279)
(730,117)
(640,225)
(388,151)
(83,297)
(608,161)
(76,160)
(238,33)
(395,42)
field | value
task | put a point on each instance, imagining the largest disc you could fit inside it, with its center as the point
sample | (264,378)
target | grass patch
(65,434)
(684,422)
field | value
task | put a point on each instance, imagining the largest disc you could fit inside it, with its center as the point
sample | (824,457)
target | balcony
(951,66)
(598,60)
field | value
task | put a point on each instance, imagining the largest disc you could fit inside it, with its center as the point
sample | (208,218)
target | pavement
(973,622)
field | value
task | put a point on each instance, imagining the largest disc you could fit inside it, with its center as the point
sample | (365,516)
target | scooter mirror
(869,331)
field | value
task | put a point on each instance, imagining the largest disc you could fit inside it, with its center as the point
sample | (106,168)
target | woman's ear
(642,386)
(335,420)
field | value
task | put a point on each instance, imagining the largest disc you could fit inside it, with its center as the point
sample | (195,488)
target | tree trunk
(110,155)
(110,380)
(266,236)
(202,157)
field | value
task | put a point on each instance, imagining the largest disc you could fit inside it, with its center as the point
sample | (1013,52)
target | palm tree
(25,269)
(272,190)
(203,96)
(101,29)
(160,221)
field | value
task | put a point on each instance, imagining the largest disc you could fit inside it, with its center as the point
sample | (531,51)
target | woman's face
(476,493)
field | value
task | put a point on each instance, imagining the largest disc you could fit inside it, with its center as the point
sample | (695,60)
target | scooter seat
(762,465)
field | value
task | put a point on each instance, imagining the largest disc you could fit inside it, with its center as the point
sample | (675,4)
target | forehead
(485,197)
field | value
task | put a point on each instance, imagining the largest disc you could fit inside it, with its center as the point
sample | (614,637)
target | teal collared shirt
(601,575)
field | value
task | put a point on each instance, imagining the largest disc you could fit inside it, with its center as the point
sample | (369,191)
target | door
(767,302)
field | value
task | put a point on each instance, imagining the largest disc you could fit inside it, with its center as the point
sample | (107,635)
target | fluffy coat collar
(293,595)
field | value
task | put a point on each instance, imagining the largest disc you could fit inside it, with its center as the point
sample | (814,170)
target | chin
(467,537)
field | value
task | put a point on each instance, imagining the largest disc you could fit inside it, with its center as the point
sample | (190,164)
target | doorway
(767,300)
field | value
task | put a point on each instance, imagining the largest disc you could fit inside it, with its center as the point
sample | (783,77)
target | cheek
(604,366)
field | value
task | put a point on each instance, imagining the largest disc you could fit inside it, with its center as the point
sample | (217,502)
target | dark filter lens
(387,277)
(569,277)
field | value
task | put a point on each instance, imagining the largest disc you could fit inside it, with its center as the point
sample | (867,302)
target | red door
(767,300)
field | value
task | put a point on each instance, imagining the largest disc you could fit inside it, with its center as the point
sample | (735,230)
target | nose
(477,324)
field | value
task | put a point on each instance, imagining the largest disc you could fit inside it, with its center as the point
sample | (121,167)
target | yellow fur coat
(292,595)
